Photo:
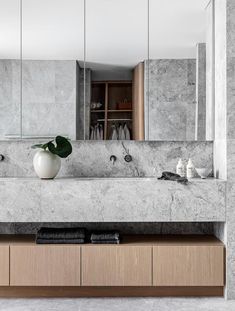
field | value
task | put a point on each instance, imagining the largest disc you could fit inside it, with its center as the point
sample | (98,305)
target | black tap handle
(128,158)
(113,158)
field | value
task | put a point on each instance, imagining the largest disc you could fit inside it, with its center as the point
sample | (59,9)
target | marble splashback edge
(91,158)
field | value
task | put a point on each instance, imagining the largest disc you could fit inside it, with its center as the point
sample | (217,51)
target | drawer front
(4,265)
(188,265)
(116,266)
(45,265)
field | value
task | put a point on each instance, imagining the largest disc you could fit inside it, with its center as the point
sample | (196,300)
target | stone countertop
(105,199)
(144,178)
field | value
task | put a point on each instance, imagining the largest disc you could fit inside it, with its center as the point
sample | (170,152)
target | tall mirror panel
(10,69)
(177,70)
(52,85)
(116,54)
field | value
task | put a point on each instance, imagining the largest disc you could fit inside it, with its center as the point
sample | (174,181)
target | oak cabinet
(4,265)
(116,266)
(188,265)
(45,265)
(142,261)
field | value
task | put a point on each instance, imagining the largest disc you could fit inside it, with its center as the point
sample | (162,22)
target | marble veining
(116,200)
(210,79)
(200,120)
(48,94)
(9,97)
(171,101)
(91,159)
(118,304)
(224,125)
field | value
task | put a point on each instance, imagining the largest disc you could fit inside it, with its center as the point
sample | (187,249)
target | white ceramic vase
(46,164)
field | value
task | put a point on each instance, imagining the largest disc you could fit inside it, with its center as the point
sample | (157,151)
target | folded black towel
(173,177)
(59,241)
(61,233)
(105,242)
(105,236)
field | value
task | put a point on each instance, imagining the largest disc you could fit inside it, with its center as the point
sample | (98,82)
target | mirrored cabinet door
(116,54)
(10,69)
(177,70)
(52,65)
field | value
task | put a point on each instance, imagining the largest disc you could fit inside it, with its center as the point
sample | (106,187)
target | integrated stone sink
(110,199)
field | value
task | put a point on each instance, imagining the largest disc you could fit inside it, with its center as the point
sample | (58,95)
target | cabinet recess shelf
(109,93)
(113,111)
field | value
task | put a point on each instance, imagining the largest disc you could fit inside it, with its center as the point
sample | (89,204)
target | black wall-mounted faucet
(113,158)
(128,158)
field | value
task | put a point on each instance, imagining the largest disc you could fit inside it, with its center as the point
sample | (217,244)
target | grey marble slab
(200,126)
(20,199)
(9,97)
(119,304)
(230,153)
(111,200)
(48,95)
(102,200)
(92,158)
(210,67)
(230,121)
(171,99)
(224,123)
(199,201)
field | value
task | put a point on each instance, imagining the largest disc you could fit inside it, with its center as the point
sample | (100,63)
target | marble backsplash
(171,112)
(91,159)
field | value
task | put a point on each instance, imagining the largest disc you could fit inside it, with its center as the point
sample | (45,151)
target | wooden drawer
(4,265)
(45,265)
(105,265)
(188,265)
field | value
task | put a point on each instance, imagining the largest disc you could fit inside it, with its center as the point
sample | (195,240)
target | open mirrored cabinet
(116,49)
(107,69)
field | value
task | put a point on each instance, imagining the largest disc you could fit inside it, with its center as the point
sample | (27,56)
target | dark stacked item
(60,236)
(105,238)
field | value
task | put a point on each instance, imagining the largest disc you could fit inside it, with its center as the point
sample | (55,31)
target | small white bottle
(190,169)
(180,168)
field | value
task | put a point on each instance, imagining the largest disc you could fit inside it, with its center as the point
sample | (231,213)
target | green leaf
(63,147)
(37,146)
(42,146)
(45,146)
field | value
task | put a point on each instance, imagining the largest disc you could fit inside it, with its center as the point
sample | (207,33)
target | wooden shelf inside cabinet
(114,120)
(119,111)
(109,93)
(117,120)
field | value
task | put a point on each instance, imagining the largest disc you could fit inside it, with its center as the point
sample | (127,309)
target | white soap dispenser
(180,170)
(190,169)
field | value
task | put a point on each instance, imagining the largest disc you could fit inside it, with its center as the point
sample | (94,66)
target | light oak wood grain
(136,240)
(4,265)
(116,266)
(49,265)
(138,102)
(188,265)
(126,291)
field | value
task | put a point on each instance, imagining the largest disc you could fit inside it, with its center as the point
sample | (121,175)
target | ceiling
(116,30)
